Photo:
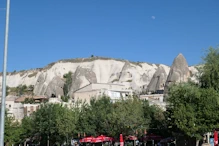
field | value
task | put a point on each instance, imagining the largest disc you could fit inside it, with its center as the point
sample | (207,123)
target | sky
(154,31)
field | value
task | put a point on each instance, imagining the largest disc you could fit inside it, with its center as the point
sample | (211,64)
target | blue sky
(155,31)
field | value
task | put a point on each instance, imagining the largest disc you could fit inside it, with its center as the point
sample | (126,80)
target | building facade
(14,109)
(95,90)
(155,99)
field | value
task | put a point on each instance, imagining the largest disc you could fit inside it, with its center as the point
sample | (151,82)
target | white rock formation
(86,71)
(105,70)
(179,72)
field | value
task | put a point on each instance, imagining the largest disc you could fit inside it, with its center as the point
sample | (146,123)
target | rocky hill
(49,80)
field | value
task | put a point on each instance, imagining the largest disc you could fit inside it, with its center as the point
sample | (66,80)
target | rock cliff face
(81,78)
(49,80)
(158,80)
(40,85)
(55,87)
(179,72)
(131,77)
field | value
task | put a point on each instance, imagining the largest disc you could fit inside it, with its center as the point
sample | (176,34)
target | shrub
(32,75)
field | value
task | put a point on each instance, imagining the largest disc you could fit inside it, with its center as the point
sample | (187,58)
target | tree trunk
(208,137)
(67,140)
(48,140)
(197,142)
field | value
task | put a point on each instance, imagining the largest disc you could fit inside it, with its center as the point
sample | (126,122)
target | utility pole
(2,120)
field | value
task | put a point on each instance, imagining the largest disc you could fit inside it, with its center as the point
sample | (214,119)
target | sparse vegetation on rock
(32,75)
(115,80)
(28,100)
(67,86)
(20,90)
(68,82)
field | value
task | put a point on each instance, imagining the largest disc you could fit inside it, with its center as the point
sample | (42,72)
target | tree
(44,123)
(124,116)
(7,90)
(129,116)
(65,122)
(101,108)
(67,86)
(157,120)
(12,130)
(65,98)
(28,100)
(68,82)
(54,123)
(208,114)
(86,120)
(27,128)
(209,72)
(21,89)
(192,111)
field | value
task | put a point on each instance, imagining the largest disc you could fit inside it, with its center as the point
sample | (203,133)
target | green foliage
(125,116)
(86,123)
(139,63)
(54,122)
(192,110)
(209,73)
(30,88)
(67,86)
(28,100)
(21,90)
(65,122)
(12,130)
(65,98)
(7,90)
(68,82)
(101,109)
(57,123)
(27,128)
(32,75)
(130,116)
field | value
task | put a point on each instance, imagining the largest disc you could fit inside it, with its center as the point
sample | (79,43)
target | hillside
(49,80)
(102,70)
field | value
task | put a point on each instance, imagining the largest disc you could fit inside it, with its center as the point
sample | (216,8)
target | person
(76,144)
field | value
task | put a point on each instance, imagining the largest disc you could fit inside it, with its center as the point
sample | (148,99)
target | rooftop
(22,99)
(11,98)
